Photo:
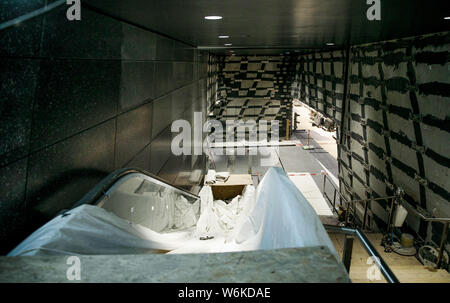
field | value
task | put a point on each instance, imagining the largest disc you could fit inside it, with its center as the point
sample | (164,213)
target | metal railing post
(366,205)
(371,250)
(442,246)
(347,252)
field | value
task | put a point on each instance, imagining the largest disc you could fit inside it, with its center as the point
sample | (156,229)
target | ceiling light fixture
(447,18)
(228,44)
(330,43)
(224,37)
(213,17)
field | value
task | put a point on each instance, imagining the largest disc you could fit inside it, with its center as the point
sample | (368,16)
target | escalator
(134,212)
(123,214)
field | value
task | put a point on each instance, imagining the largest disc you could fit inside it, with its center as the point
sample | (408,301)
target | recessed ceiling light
(330,43)
(213,17)
(224,37)
(228,44)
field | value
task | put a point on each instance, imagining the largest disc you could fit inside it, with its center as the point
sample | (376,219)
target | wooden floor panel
(406,269)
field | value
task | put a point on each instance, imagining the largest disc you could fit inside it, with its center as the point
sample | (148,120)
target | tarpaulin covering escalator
(275,215)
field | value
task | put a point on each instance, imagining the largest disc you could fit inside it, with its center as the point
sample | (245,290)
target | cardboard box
(231,188)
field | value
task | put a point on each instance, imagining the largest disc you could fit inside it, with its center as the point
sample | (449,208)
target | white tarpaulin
(275,215)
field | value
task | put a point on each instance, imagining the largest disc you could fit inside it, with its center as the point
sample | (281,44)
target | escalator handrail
(96,193)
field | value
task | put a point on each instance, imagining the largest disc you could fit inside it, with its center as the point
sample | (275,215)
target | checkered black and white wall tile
(255,88)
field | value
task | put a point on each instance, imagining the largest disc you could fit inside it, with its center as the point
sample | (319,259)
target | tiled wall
(395,122)
(81,99)
(255,88)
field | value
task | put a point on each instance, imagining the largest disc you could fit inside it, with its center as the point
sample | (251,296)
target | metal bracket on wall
(421,180)
(385,132)
(418,148)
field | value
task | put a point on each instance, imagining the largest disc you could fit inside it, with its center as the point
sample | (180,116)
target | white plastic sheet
(90,230)
(276,215)
(160,210)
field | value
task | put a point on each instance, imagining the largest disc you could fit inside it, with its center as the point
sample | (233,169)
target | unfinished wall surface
(212,81)
(255,88)
(397,125)
(395,122)
(319,82)
(81,99)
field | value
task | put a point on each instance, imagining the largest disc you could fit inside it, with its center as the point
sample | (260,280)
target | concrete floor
(323,139)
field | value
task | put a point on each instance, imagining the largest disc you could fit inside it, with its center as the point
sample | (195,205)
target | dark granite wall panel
(164,74)
(184,53)
(138,44)
(164,49)
(137,84)
(160,150)
(95,37)
(162,114)
(12,206)
(134,132)
(141,159)
(24,38)
(73,95)
(90,97)
(62,173)
(18,80)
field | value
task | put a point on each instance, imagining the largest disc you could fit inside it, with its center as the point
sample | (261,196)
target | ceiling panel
(279,24)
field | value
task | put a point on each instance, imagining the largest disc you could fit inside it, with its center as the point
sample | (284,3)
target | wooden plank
(406,269)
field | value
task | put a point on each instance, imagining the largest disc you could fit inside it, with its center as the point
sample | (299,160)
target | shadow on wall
(41,203)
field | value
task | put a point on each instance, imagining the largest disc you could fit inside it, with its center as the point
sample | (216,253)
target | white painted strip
(333,178)
(255,144)
(306,185)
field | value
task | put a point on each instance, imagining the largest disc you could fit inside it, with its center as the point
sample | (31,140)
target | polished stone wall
(81,99)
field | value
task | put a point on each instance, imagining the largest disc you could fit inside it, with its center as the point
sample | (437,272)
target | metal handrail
(371,250)
(396,200)
(96,193)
